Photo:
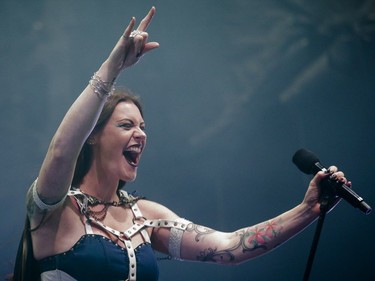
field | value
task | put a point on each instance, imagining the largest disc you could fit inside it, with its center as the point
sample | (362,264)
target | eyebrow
(129,120)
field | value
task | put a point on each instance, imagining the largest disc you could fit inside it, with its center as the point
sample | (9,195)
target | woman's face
(118,147)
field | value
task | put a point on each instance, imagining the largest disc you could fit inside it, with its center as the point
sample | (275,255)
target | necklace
(100,215)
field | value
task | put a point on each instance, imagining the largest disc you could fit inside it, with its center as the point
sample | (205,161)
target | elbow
(235,261)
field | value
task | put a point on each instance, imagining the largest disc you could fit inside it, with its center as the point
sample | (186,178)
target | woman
(82,226)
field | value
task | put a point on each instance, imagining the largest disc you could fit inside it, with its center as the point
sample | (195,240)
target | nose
(139,134)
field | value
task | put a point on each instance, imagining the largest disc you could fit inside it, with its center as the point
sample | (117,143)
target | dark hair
(26,267)
(84,160)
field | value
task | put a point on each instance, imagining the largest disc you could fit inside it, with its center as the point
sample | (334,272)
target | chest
(64,228)
(94,257)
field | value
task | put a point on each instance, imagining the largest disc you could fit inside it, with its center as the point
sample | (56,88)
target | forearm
(259,239)
(81,118)
(249,242)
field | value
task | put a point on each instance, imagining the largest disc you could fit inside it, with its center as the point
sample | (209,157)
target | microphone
(309,163)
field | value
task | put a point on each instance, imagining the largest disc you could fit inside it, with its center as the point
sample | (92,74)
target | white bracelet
(41,205)
(175,237)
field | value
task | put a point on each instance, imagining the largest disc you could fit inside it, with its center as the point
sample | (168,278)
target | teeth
(134,149)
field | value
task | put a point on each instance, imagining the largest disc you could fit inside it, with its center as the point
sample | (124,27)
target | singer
(81,223)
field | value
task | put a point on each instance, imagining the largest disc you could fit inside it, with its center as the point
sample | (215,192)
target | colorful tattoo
(249,239)
(258,236)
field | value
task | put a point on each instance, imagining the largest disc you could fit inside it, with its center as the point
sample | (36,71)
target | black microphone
(309,163)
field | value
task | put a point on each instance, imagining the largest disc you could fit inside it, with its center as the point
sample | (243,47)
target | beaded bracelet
(101,89)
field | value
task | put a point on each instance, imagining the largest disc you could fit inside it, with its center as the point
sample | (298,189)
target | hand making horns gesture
(132,44)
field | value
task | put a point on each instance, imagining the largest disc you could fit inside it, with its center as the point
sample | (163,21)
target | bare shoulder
(154,210)
(39,212)
(31,206)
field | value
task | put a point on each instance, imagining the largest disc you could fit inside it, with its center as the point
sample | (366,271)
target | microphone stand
(327,197)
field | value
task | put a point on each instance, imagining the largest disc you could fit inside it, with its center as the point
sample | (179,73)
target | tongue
(130,157)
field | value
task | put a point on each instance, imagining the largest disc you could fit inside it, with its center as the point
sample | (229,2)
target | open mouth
(132,154)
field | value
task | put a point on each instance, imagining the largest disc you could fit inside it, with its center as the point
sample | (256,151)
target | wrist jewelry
(101,89)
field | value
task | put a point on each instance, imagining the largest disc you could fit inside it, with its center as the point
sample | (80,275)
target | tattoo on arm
(258,236)
(30,203)
(33,209)
(199,230)
(209,254)
(249,239)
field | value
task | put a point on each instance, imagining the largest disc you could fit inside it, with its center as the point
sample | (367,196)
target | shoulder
(38,211)
(154,210)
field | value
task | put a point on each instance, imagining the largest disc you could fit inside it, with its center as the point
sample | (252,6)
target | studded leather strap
(140,226)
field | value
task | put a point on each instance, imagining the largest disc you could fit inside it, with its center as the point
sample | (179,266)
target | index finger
(143,25)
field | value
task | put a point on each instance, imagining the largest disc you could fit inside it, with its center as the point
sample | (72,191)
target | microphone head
(305,161)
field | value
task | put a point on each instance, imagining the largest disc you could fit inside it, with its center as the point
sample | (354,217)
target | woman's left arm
(199,243)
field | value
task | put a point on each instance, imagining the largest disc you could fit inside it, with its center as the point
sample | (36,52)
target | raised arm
(199,243)
(57,170)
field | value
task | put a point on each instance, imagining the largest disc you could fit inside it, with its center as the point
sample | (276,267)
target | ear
(91,140)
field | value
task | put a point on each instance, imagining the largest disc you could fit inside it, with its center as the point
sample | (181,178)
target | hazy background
(236,87)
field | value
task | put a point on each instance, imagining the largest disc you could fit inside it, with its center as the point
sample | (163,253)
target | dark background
(235,88)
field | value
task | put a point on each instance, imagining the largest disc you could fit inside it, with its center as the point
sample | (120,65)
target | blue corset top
(95,257)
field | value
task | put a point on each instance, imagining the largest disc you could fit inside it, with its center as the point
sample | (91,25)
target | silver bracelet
(101,89)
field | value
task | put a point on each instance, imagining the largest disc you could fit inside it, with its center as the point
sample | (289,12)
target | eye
(126,126)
